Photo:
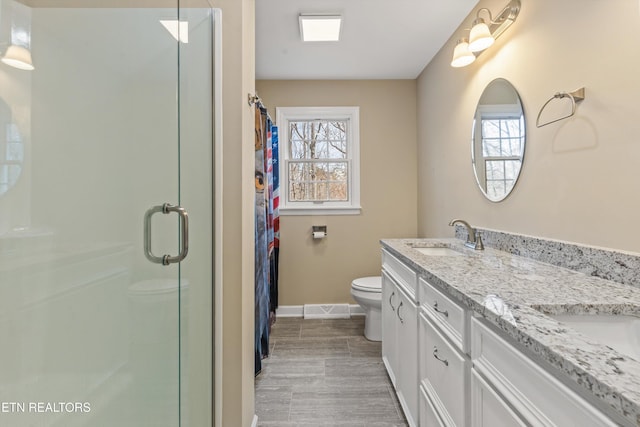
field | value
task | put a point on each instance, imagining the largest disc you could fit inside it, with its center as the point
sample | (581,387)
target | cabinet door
(407,332)
(487,408)
(389,341)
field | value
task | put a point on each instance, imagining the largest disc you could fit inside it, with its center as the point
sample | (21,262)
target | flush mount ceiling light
(320,27)
(18,57)
(482,35)
(178,29)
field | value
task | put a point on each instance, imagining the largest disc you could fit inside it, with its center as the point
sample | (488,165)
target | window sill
(351,210)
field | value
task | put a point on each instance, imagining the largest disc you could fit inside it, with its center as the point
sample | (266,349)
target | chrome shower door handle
(184,234)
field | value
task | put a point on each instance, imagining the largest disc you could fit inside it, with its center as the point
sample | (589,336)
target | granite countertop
(530,288)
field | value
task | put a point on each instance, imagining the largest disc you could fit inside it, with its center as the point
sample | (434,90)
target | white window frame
(352,115)
(492,112)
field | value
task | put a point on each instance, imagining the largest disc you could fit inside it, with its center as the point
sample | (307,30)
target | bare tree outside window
(318,160)
(502,146)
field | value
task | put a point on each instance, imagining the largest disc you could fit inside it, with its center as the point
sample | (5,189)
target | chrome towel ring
(575,96)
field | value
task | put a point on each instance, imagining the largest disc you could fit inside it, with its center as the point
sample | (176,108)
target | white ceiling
(381,39)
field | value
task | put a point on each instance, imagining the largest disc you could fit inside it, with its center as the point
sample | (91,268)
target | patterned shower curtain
(275,220)
(267,238)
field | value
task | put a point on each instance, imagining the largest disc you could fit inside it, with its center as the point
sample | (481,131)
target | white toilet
(367,291)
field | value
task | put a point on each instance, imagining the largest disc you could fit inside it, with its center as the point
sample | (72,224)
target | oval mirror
(498,140)
(11,149)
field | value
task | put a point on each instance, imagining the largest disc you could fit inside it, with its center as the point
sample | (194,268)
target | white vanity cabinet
(399,332)
(451,367)
(504,378)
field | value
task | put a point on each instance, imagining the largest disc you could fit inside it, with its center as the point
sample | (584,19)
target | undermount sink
(620,332)
(437,251)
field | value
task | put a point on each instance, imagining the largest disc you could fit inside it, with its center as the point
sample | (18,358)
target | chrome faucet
(474,237)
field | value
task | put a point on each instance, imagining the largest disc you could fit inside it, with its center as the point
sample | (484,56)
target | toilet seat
(368,284)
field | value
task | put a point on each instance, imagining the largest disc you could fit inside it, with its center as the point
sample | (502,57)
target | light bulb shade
(462,56)
(18,57)
(480,37)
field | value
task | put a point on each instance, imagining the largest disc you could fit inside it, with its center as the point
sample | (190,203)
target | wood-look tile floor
(325,373)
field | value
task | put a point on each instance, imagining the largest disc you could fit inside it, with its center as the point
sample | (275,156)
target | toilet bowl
(367,291)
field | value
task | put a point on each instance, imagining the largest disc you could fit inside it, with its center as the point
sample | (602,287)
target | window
(502,150)
(320,160)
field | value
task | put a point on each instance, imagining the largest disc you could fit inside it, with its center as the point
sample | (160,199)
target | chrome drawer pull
(435,354)
(399,307)
(390,303)
(444,312)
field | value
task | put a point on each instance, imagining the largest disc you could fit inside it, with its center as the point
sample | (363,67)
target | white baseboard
(298,311)
(255,421)
(326,311)
(356,310)
(290,311)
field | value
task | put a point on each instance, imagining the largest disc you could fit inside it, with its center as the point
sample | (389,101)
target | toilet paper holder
(318,231)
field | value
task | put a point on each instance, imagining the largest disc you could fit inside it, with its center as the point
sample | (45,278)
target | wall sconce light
(18,57)
(482,35)
(462,56)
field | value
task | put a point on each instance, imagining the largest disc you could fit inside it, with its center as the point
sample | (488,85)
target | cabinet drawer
(443,373)
(539,398)
(404,275)
(448,315)
(428,415)
(487,407)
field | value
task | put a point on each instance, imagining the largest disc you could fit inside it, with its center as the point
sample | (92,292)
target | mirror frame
(473,140)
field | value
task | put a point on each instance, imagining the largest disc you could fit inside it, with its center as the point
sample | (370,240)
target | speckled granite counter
(529,288)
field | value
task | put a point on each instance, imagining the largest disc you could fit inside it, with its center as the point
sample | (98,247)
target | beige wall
(318,272)
(235,307)
(580,180)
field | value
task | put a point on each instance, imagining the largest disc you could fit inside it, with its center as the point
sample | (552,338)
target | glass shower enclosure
(107,145)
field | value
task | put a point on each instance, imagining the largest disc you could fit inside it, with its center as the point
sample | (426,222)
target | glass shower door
(92,138)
